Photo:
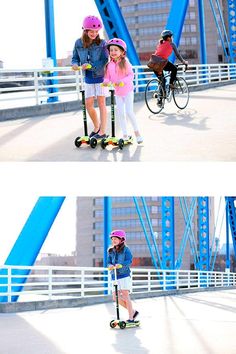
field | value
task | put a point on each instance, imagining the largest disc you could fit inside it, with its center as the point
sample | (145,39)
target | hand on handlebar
(85,66)
(116,266)
(113,84)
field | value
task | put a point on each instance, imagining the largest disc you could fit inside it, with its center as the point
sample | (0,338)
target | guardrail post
(9,284)
(50,283)
(82,283)
(36,87)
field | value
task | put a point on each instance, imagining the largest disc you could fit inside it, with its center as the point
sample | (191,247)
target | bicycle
(158,90)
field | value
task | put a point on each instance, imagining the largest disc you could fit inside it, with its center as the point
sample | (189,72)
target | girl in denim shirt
(119,253)
(90,49)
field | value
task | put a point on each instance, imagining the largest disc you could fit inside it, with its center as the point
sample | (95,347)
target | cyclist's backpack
(157,63)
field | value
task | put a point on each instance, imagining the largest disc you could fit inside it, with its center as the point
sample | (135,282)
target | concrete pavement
(204,131)
(197,323)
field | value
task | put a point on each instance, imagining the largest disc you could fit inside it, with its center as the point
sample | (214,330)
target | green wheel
(93,143)
(78,142)
(103,143)
(122,324)
(121,143)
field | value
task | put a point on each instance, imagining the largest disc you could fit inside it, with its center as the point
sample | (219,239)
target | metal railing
(38,86)
(47,283)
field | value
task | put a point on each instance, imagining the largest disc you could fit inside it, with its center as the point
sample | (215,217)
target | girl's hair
(87,41)
(119,248)
(122,65)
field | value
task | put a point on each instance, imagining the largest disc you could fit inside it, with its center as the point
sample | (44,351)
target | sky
(22,29)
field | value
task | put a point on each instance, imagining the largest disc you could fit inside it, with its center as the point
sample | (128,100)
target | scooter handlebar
(89,66)
(116,266)
(113,84)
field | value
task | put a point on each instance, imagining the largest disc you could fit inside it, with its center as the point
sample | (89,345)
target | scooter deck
(132,324)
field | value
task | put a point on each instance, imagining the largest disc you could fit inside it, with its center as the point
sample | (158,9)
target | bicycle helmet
(118,42)
(166,33)
(92,23)
(119,234)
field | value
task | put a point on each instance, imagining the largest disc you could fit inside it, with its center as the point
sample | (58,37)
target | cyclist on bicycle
(164,49)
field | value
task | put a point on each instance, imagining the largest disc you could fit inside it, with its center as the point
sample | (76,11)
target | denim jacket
(96,55)
(124,257)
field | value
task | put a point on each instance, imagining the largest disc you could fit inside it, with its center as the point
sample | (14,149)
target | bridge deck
(204,131)
(201,323)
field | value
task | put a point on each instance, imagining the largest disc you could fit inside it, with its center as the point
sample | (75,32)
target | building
(146,20)
(90,219)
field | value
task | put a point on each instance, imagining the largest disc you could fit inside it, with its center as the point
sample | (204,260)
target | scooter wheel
(103,143)
(121,143)
(122,324)
(78,142)
(93,143)
(112,324)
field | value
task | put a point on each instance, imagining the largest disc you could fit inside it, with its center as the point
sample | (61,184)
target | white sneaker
(139,139)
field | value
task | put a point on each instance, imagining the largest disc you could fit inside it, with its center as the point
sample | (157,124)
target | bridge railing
(49,282)
(21,88)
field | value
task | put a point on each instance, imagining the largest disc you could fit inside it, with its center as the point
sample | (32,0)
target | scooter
(113,140)
(119,323)
(85,139)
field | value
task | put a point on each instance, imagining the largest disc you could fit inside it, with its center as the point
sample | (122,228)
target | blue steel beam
(50,44)
(202,31)
(115,26)
(188,218)
(107,226)
(145,232)
(232,219)
(232,27)
(151,231)
(203,227)
(168,233)
(176,19)
(31,238)
(219,30)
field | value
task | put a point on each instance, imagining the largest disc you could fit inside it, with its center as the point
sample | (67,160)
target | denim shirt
(124,257)
(96,55)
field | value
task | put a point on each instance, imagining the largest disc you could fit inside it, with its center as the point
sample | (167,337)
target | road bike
(158,91)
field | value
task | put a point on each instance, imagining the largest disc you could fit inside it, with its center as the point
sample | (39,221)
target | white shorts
(94,90)
(124,283)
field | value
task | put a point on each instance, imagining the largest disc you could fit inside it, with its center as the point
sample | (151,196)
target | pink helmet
(118,42)
(92,22)
(119,234)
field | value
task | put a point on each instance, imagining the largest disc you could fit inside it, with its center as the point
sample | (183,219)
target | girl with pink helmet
(90,49)
(120,73)
(119,253)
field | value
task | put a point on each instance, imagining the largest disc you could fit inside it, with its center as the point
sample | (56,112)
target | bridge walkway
(204,131)
(197,323)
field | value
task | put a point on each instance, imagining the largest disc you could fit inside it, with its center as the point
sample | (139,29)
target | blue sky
(22,29)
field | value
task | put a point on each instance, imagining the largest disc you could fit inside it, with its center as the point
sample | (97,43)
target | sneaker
(139,139)
(127,138)
(136,313)
(129,321)
(98,136)
(93,133)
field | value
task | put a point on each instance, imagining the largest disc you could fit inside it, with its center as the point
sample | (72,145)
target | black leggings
(169,67)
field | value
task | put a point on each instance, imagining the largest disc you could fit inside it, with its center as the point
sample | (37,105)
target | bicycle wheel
(181,93)
(154,96)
